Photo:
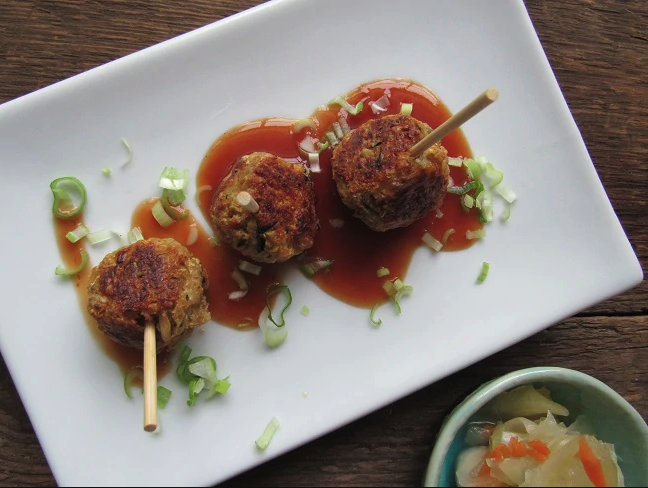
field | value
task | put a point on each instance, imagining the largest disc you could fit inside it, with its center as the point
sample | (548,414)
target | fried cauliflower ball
(380,182)
(285,223)
(151,280)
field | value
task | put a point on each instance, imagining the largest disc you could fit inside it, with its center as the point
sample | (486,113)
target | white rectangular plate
(563,249)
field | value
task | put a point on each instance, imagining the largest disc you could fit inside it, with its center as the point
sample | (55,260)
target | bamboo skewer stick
(458,119)
(150,378)
(246,201)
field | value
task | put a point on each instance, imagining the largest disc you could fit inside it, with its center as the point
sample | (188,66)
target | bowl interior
(613,419)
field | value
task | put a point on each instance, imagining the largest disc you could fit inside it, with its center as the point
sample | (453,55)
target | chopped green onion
(347,106)
(344,125)
(506,193)
(195,387)
(446,236)
(106,171)
(457,162)
(174,179)
(322,146)
(176,197)
(337,128)
(389,288)
(313,163)
(492,176)
(374,320)
(134,235)
(275,337)
(99,236)
(406,108)
(269,432)
(129,148)
(135,373)
(61,271)
(484,272)
(77,234)
(468,201)
(240,279)
(382,272)
(506,213)
(174,211)
(237,295)
(160,215)
(302,124)
(332,138)
(431,242)
(273,290)
(398,284)
(462,190)
(221,387)
(203,367)
(251,268)
(477,234)
(305,310)
(312,267)
(163,396)
(474,170)
(64,207)
(484,202)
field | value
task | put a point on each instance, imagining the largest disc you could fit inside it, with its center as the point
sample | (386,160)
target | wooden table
(599,52)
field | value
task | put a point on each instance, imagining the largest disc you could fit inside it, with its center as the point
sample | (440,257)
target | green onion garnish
(195,387)
(135,373)
(374,320)
(129,148)
(492,176)
(382,272)
(506,193)
(106,171)
(199,374)
(406,108)
(163,396)
(275,337)
(474,170)
(134,235)
(506,213)
(347,106)
(64,207)
(477,234)
(301,124)
(337,128)
(462,190)
(446,236)
(77,234)
(273,290)
(174,197)
(174,179)
(468,201)
(332,138)
(251,268)
(269,432)
(99,236)
(221,387)
(173,210)
(431,242)
(484,272)
(305,310)
(160,215)
(457,162)
(396,290)
(312,267)
(61,271)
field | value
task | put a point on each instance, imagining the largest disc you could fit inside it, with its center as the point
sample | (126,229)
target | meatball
(285,223)
(378,179)
(151,280)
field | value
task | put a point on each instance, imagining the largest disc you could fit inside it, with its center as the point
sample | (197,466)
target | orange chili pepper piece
(518,449)
(536,455)
(484,471)
(540,447)
(591,463)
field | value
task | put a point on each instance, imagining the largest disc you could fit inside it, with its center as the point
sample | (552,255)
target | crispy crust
(380,182)
(154,279)
(286,222)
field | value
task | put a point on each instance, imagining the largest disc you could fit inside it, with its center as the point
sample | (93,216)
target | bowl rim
(487,391)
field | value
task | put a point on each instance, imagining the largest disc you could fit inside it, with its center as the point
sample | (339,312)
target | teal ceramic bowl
(613,418)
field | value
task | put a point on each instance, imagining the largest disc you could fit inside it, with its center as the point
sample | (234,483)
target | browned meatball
(285,224)
(378,179)
(154,279)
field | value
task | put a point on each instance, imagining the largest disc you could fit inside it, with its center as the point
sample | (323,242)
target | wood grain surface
(599,52)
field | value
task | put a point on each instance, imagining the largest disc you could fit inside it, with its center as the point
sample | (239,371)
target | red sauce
(357,251)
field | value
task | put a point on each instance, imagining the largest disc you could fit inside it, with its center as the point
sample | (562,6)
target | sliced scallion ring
(64,207)
(382,272)
(353,110)
(372,316)
(312,267)
(305,310)
(476,234)
(446,236)
(273,290)
(106,172)
(505,192)
(99,236)
(175,197)
(301,124)
(506,213)
(431,242)
(163,396)
(249,267)
(274,337)
(129,148)
(406,108)
(77,234)
(462,190)
(174,179)
(474,170)
(134,235)
(264,441)
(160,215)
(61,271)
(484,272)
(458,162)
(135,373)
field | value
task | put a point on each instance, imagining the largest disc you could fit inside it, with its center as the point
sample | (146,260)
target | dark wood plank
(599,52)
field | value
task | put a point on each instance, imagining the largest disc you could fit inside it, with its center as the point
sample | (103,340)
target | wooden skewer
(458,119)
(150,378)
(246,201)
